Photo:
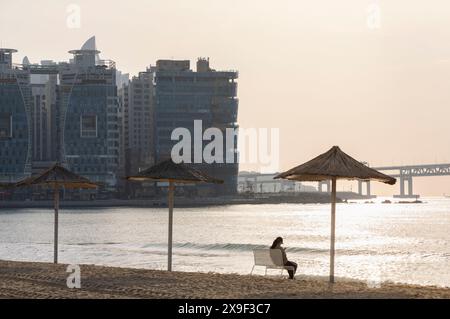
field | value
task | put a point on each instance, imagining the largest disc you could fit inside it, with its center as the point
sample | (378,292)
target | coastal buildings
(89,116)
(15,128)
(183,96)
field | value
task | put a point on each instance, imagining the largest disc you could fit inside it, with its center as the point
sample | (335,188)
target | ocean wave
(239,247)
(92,244)
(232,247)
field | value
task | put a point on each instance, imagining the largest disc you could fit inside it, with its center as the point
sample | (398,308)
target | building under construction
(183,96)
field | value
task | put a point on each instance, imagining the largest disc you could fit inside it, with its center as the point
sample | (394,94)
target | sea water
(375,242)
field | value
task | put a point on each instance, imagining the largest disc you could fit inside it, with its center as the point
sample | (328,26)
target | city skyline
(89,116)
(304,50)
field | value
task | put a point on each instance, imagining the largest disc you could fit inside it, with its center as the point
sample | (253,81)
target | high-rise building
(183,96)
(66,112)
(15,128)
(89,115)
(44,88)
(137,108)
(138,141)
(122,81)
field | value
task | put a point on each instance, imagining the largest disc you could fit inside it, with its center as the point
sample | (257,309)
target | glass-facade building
(89,121)
(65,112)
(15,132)
(183,96)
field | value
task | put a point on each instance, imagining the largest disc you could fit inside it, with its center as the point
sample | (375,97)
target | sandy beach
(45,280)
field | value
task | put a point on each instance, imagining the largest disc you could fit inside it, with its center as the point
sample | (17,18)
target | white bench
(270,259)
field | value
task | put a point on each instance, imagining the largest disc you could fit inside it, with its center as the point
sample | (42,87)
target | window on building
(88,125)
(5,125)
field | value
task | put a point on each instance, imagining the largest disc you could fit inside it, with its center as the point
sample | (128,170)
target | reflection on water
(375,242)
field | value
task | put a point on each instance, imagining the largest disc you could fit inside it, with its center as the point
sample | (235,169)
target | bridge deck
(417,170)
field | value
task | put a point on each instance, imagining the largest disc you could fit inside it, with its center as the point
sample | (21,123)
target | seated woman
(277,245)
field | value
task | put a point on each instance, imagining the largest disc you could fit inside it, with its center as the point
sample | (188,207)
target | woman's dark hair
(276,242)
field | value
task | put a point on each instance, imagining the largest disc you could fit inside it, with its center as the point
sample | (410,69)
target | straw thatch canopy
(58,176)
(334,164)
(168,171)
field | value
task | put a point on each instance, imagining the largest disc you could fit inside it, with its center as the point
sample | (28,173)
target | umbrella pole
(55,242)
(169,255)
(333,228)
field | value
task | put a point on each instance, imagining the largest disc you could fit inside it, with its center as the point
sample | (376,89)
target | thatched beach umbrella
(57,177)
(334,165)
(168,171)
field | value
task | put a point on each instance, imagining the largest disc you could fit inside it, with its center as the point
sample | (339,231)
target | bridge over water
(405,175)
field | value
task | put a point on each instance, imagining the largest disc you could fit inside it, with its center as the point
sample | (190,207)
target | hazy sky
(312,68)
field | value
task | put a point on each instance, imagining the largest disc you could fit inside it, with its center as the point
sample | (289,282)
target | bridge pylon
(361,189)
(324,183)
(406,192)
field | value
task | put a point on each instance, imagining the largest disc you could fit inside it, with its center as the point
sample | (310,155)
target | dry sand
(45,280)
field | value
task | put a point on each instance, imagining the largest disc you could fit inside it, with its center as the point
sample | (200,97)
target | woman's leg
(295,266)
(290,271)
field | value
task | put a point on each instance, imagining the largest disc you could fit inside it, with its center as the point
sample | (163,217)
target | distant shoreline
(299,198)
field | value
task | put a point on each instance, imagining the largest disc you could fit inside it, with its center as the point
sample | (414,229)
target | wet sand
(45,280)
